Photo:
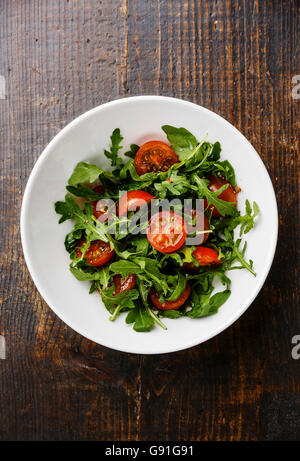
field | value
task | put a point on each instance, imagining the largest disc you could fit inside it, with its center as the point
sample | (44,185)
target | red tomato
(97,254)
(167,305)
(201,223)
(133,200)
(154,156)
(97,211)
(101,210)
(167,231)
(228,195)
(99,189)
(123,283)
(205,257)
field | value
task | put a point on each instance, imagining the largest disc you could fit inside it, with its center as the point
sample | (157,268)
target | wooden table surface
(60,58)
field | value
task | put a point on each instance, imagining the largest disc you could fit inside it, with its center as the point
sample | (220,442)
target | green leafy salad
(156,232)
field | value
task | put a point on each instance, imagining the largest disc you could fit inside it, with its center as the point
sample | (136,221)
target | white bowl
(140,119)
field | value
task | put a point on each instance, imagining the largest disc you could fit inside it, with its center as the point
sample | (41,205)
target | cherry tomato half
(205,257)
(97,211)
(167,231)
(200,223)
(228,195)
(102,210)
(123,283)
(167,305)
(154,156)
(97,254)
(133,200)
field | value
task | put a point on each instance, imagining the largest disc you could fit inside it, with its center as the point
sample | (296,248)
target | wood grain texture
(235,57)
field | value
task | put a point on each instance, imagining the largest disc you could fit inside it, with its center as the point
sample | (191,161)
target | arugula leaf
(141,319)
(94,229)
(175,256)
(175,184)
(133,150)
(123,300)
(147,177)
(215,152)
(223,278)
(151,270)
(67,209)
(116,139)
(247,221)
(204,305)
(81,191)
(239,255)
(125,268)
(182,141)
(198,158)
(73,238)
(100,275)
(136,181)
(187,251)
(104,277)
(172,314)
(84,172)
(179,288)
(126,168)
(142,245)
(144,291)
(227,171)
(223,207)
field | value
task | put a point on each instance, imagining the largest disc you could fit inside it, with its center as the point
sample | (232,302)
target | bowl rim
(25,204)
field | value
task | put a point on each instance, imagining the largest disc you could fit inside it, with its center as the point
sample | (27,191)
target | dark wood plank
(61,58)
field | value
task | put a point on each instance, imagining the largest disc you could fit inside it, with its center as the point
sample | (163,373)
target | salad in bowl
(154,233)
